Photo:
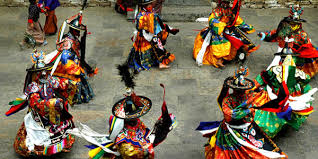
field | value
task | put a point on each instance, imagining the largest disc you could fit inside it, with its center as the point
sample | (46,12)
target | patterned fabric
(130,151)
(308,58)
(34,13)
(297,85)
(231,138)
(20,147)
(76,88)
(222,46)
(49,113)
(132,141)
(147,53)
(36,32)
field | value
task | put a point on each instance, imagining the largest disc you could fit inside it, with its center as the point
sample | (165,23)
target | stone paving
(191,90)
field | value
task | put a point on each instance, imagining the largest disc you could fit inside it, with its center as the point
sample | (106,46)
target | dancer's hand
(261,35)
(174,31)
(45,12)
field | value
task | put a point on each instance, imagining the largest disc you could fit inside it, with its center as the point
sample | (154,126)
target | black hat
(75,22)
(132,106)
(143,2)
(238,81)
(38,69)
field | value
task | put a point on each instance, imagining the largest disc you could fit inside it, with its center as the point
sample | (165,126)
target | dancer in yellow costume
(224,37)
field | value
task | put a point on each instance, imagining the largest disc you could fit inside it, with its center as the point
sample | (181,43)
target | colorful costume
(43,132)
(36,32)
(224,37)
(129,138)
(50,26)
(237,135)
(71,67)
(148,48)
(300,99)
(291,27)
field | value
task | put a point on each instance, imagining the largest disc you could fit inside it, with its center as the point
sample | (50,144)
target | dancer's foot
(44,43)
(163,66)
(219,63)
(22,45)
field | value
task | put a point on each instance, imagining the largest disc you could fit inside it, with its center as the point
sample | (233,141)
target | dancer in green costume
(300,99)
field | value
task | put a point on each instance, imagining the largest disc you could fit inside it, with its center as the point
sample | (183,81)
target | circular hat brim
(229,82)
(34,69)
(141,111)
(143,3)
(289,19)
(283,54)
(81,28)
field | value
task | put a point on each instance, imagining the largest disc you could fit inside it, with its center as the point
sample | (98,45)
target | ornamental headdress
(37,58)
(132,106)
(295,13)
(34,73)
(235,8)
(74,22)
(239,80)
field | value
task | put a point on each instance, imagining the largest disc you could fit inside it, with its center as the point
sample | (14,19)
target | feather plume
(126,76)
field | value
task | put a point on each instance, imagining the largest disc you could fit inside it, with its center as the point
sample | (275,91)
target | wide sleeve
(231,113)
(32,13)
(259,83)
(215,24)
(48,4)
(37,104)
(271,36)
(54,82)
(240,23)
(146,22)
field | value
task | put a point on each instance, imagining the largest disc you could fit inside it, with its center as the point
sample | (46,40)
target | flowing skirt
(64,144)
(241,142)
(36,32)
(212,49)
(145,54)
(75,92)
(269,122)
(50,27)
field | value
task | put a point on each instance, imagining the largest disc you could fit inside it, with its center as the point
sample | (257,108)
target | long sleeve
(233,113)
(271,36)
(46,108)
(32,14)
(240,23)
(146,22)
(215,24)
(37,104)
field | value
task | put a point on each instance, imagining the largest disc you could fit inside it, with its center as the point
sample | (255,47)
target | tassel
(16,108)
